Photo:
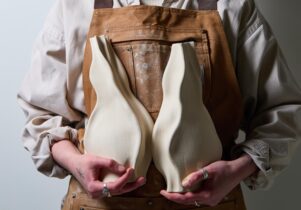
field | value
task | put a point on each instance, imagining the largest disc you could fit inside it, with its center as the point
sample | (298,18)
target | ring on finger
(205,174)
(197,204)
(105,191)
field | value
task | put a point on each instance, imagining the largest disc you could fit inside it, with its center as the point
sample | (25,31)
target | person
(52,98)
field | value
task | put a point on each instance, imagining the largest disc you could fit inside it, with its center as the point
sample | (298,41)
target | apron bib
(142,37)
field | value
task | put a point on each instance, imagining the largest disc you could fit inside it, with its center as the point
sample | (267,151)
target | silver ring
(205,174)
(197,204)
(106,191)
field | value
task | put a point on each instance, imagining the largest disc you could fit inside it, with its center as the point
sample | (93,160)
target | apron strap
(203,4)
(103,4)
(207,4)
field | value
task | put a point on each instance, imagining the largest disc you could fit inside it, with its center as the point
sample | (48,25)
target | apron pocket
(202,49)
(145,62)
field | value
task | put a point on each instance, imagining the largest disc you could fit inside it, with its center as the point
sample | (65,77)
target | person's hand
(88,170)
(223,176)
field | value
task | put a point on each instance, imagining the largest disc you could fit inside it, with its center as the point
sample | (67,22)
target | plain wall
(22,187)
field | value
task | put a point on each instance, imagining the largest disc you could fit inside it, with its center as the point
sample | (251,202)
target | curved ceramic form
(184,137)
(119,126)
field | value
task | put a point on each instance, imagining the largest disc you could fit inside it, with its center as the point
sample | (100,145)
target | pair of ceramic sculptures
(182,140)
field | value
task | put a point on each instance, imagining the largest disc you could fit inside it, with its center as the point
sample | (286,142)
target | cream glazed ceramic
(184,137)
(119,126)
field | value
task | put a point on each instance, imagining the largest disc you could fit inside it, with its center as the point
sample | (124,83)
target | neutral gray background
(22,187)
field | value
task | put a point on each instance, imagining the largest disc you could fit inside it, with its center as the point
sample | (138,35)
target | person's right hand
(88,170)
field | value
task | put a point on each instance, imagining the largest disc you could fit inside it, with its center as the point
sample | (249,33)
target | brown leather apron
(142,37)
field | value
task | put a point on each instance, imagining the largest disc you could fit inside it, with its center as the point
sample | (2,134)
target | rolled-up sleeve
(272,101)
(43,97)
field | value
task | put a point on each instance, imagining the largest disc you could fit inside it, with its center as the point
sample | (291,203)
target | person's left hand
(223,176)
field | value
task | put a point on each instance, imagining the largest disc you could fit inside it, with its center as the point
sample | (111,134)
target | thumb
(194,178)
(94,188)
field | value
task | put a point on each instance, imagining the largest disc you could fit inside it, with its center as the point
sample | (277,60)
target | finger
(187,198)
(195,177)
(121,181)
(94,188)
(204,197)
(133,185)
(110,164)
(175,197)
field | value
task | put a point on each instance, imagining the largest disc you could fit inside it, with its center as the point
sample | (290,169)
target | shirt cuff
(42,156)
(259,152)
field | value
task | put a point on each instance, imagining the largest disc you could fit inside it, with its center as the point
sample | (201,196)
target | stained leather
(77,199)
(139,30)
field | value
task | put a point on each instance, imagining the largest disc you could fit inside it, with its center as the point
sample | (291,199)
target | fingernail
(130,170)
(162,192)
(121,168)
(185,182)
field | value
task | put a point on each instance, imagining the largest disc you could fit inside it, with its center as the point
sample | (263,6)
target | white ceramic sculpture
(184,137)
(119,126)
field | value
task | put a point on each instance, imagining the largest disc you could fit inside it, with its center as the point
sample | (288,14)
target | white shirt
(52,92)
